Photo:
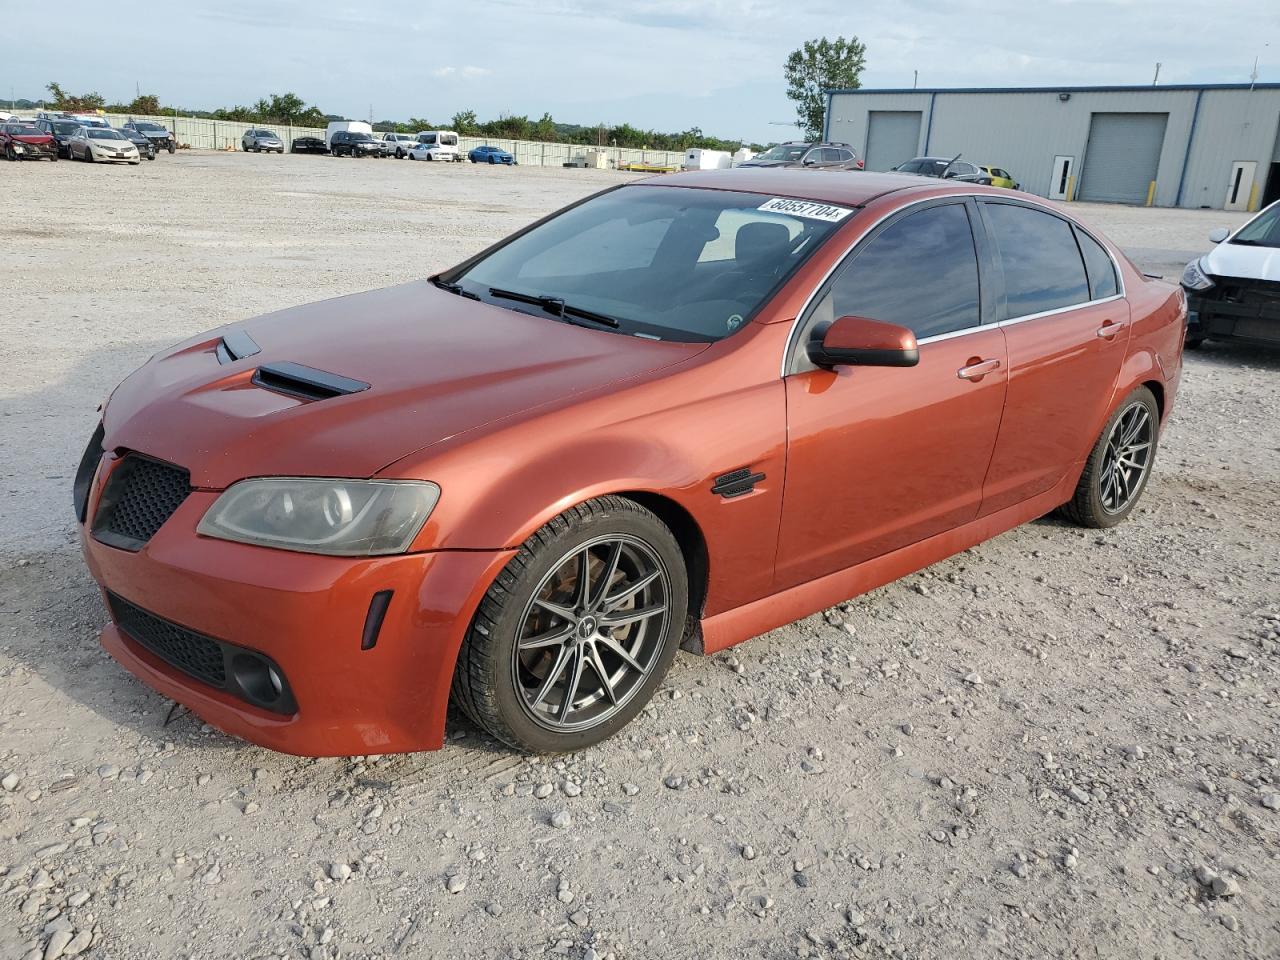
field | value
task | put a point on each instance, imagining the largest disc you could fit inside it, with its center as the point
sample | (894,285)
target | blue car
(491,155)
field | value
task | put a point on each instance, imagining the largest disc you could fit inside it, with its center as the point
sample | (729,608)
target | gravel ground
(1058,744)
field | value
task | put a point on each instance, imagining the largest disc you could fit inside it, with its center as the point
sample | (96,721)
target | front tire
(578,630)
(1116,473)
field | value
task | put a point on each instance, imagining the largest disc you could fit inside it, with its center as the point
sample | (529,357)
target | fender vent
(305,383)
(236,345)
(736,483)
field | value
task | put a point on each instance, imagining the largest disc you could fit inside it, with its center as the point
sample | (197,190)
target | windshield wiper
(555,306)
(455,288)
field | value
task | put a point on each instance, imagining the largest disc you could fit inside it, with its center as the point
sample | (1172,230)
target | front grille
(139,496)
(190,652)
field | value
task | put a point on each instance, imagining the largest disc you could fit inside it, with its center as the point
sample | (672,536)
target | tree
(147,105)
(287,107)
(73,104)
(818,66)
(464,122)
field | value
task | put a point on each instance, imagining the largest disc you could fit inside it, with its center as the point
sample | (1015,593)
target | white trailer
(698,159)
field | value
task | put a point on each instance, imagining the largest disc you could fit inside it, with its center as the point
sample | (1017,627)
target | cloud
(444,71)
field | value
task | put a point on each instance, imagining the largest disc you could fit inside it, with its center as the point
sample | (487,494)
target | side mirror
(862,342)
(1217,236)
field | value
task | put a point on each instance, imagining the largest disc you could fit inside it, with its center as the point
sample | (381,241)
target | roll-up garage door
(1122,156)
(893,136)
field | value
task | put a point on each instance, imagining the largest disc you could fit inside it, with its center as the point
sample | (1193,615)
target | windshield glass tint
(103,133)
(64,127)
(673,263)
(148,126)
(1262,231)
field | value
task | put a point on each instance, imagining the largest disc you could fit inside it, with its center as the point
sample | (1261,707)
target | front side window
(671,263)
(1097,262)
(920,272)
(1042,265)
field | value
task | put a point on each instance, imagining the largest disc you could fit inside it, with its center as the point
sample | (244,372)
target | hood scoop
(236,345)
(305,383)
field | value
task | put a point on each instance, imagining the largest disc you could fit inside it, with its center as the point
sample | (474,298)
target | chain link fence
(204,134)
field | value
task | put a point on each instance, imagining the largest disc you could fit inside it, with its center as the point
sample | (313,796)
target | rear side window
(1042,265)
(1102,272)
(921,272)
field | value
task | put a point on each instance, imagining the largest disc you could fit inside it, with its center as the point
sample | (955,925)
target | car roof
(849,188)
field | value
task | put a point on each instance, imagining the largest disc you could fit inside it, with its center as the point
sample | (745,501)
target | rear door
(881,457)
(1066,324)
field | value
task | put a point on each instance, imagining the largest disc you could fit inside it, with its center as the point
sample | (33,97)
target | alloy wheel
(1127,458)
(592,633)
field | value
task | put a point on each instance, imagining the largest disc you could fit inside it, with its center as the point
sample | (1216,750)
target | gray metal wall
(1023,131)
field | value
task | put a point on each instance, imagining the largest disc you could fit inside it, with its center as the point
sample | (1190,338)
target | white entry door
(1240,189)
(1063,173)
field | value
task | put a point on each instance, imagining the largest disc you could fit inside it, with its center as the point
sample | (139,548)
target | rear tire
(1194,343)
(539,640)
(1119,466)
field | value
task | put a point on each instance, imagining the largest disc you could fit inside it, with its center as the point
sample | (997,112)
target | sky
(661,64)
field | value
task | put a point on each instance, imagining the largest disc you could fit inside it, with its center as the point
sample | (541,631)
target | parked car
(397,144)
(945,168)
(61,130)
(157,133)
(591,455)
(26,141)
(1234,291)
(433,151)
(354,144)
(1000,178)
(308,145)
(257,140)
(102,143)
(824,156)
(89,120)
(146,146)
(346,126)
(488,154)
(446,142)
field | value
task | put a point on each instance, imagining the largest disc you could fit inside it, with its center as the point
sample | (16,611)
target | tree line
(289,108)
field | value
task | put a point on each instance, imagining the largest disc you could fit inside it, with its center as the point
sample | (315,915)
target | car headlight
(1195,277)
(347,518)
(19,148)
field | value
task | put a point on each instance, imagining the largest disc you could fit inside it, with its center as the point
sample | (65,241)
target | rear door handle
(977,369)
(1110,328)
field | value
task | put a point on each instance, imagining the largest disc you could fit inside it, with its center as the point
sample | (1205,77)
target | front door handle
(1110,328)
(976,369)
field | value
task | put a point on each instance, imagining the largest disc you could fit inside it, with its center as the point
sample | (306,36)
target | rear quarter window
(1102,272)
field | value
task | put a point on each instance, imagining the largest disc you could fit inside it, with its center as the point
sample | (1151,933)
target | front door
(1061,182)
(882,457)
(1067,330)
(1240,187)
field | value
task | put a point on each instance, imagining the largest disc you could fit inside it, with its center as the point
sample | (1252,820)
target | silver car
(259,140)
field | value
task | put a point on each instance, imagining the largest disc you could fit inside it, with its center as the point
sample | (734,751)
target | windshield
(670,263)
(23,130)
(448,140)
(147,125)
(266,133)
(783,152)
(103,133)
(1262,231)
(64,127)
(359,136)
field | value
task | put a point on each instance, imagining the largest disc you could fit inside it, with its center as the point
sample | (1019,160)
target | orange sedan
(680,413)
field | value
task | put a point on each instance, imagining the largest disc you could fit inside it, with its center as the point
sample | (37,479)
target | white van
(353,126)
(443,144)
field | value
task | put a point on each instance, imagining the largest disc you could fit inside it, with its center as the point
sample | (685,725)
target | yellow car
(1000,178)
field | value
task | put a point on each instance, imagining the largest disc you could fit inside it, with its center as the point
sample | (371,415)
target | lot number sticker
(809,209)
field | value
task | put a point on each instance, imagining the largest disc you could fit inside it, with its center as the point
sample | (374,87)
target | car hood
(32,138)
(437,365)
(1240,260)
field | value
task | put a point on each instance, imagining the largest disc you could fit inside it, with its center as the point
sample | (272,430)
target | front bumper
(36,151)
(116,155)
(1234,309)
(307,615)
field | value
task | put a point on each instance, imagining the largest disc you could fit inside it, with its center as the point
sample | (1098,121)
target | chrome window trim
(979,197)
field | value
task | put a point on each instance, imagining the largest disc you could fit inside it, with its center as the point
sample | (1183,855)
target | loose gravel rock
(1059,802)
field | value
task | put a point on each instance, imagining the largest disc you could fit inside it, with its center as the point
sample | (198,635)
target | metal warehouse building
(1215,146)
